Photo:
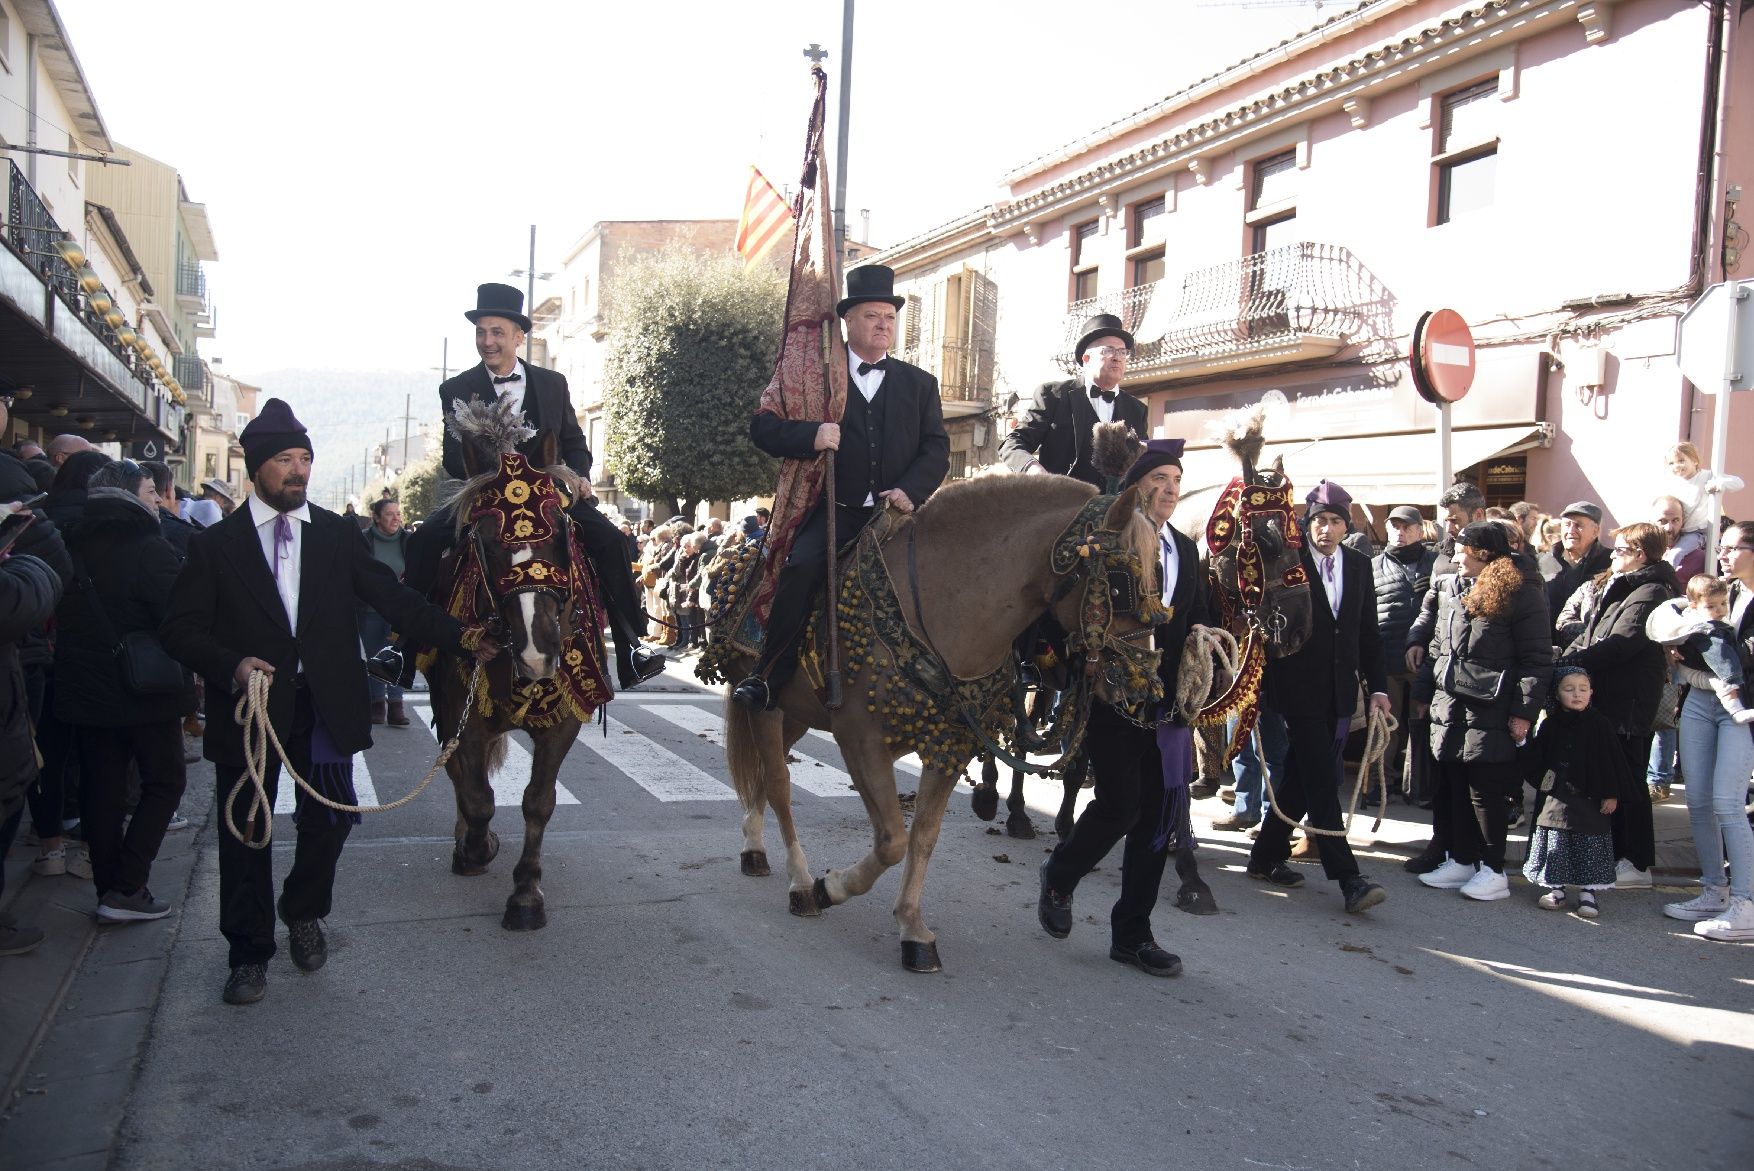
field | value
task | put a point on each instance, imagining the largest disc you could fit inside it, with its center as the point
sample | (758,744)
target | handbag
(147,668)
(1669,703)
(1472,681)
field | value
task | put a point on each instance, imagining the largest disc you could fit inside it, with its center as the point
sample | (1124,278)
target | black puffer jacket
(28,590)
(1403,574)
(42,541)
(1626,668)
(1503,649)
(131,568)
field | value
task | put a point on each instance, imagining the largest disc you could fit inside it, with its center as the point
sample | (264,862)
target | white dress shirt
(868,384)
(513,390)
(1104,408)
(1169,559)
(262,515)
(1335,588)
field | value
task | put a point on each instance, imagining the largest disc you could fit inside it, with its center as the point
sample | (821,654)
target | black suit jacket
(225,607)
(1321,679)
(1056,430)
(1193,606)
(916,450)
(547,406)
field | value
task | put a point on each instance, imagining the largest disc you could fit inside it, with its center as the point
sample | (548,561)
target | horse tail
(743,755)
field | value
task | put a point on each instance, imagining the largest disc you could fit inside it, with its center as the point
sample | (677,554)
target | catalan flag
(766,219)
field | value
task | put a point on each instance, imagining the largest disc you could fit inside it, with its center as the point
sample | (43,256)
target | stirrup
(386,666)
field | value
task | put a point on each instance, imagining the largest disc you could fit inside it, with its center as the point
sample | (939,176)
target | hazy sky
(365,165)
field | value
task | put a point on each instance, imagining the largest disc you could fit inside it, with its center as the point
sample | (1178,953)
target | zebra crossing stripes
(809,774)
(362,784)
(653,767)
(509,781)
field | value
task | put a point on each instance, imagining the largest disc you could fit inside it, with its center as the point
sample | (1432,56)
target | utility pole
(407,419)
(840,162)
(530,292)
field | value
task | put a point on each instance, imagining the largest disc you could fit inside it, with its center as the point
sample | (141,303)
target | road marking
(362,784)
(513,776)
(653,767)
(809,774)
(907,764)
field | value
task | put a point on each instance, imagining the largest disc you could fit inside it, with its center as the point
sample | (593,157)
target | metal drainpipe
(1711,255)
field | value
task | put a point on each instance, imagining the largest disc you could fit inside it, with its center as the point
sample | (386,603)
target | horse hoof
(521,917)
(920,957)
(985,801)
(754,863)
(819,894)
(462,863)
(1018,825)
(1196,901)
(803,904)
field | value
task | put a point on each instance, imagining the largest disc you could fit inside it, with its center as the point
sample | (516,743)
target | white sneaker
(177,822)
(1629,877)
(1452,875)
(1708,904)
(1735,923)
(1487,886)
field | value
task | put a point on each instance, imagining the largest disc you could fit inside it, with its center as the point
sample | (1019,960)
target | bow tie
(867,367)
(1107,396)
(514,376)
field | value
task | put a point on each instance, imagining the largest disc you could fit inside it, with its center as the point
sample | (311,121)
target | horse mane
(1243,433)
(993,500)
(1113,448)
(499,428)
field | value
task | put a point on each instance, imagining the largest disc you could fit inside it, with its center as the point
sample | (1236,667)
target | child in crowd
(1576,762)
(1707,642)
(1693,485)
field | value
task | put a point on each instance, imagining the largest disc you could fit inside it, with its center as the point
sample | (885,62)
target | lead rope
(1378,728)
(251,713)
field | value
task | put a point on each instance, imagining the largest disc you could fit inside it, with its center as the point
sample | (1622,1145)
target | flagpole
(840,161)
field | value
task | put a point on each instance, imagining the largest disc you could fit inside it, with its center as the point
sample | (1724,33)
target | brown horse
(517,568)
(989,556)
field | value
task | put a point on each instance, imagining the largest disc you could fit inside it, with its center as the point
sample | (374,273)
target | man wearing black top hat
(1141,774)
(273,587)
(542,395)
(1316,691)
(1055,433)
(890,447)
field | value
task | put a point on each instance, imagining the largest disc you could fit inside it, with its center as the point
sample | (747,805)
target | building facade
(1273,233)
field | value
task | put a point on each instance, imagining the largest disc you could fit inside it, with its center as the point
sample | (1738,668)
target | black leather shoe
(309,948)
(752,693)
(385,666)
(1053,908)
(1203,788)
(247,984)
(1361,893)
(641,663)
(1280,875)
(1148,958)
(1424,862)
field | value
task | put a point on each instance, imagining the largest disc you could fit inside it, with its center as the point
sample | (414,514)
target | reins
(251,713)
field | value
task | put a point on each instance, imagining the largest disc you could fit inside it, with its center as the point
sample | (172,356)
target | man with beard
(273,588)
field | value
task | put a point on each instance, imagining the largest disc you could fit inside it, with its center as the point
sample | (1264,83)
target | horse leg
(919,946)
(1018,824)
(874,771)
(469,769)
(1075,773)
(985,801)
(753,860)
(523,910)
(1194,897)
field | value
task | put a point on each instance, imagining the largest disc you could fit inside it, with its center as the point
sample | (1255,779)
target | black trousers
(1634,826)
(602,543)
(246,876)
(49,797)
(801,579)
(1471,812)
(1127,803)
(122,861)
(1310,785)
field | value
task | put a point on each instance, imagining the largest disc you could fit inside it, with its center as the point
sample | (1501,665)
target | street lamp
(530,290)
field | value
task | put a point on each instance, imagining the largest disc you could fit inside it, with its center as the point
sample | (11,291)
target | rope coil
(251,713)
(1378,728)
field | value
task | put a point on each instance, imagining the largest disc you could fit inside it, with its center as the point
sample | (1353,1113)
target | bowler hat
(497,300)
(1328,496)
(1102,325)
(869,282)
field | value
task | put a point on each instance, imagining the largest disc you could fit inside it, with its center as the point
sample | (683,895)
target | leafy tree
(692,342)
(417,488)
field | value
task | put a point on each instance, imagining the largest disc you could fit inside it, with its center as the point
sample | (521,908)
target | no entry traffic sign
(1442,357)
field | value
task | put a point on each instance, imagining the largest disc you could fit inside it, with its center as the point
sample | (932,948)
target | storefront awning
(1378,470)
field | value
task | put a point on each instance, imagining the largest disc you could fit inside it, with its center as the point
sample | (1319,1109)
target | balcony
(191,374)
(1301,302)
(192,288)
(64,337)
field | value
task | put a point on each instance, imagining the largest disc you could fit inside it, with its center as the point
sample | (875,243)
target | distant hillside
(348,411)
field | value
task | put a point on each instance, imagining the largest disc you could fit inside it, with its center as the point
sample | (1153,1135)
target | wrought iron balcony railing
(1259,304)
(192,284)
(191,375)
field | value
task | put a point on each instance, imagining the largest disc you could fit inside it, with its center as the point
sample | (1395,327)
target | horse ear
(546,449)
(1123,508)
(1279,466)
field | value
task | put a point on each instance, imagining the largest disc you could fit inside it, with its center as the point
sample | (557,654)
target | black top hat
(1102,325)
(869,282)
(497,300)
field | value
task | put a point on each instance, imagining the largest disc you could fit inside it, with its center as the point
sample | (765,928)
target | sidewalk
(75,1013)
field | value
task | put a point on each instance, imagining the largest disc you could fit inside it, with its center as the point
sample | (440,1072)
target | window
(1145,235)
(1083,264)
(1466,166)
(5,40)
(958,465)
(1266,235)
(1274,180)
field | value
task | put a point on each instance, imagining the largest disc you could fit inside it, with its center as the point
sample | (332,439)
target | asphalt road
(673,1014)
